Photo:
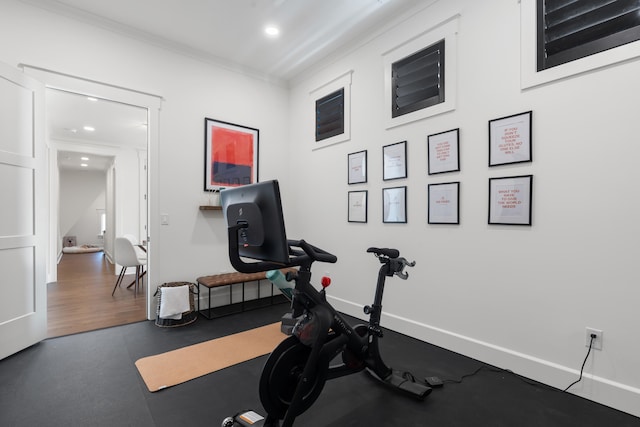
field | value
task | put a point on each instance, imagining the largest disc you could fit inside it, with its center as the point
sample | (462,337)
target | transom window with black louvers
(418,80)
(573,29)
(330,115)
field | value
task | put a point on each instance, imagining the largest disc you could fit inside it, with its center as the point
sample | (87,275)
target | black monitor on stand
(254,218)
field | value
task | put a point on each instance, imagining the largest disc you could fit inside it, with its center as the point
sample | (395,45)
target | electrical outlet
(597,341)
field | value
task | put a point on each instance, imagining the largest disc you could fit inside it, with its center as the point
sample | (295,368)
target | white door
(23,212)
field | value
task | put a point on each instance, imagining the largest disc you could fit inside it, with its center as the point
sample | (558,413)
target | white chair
(125,255)
(141,252)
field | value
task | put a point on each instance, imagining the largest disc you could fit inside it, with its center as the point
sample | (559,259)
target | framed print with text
(510,200)
(394,158)
(444,203)
(510,139)
(357,163)
(444,152)
(357,206)
(394,204)
(230,153)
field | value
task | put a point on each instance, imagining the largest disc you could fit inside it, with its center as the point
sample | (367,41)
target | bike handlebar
(308,255)
(392,258)
(390,253)
(314,252)
(401,264)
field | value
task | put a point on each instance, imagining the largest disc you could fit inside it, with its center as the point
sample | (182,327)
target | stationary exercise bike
(322,345)
(296,371)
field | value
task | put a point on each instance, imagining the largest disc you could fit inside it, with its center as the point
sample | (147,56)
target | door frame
(153,103)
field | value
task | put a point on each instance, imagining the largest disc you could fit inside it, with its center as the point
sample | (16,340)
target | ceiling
(73,161)
(111,124)
(229,33)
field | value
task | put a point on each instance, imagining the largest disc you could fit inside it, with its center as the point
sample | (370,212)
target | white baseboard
(601,390)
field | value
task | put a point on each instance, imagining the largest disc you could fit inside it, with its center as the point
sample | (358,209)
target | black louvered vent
(572,29)
(418,80)
(330,115)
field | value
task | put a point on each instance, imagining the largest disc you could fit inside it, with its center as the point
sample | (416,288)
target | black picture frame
(357,206)
(510,200)
(231,154)
(443,152)
(394,161)
(357,167)
(394,205)
(443,203)
(511,139)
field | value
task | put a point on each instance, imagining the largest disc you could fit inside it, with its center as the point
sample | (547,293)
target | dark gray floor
(90,379)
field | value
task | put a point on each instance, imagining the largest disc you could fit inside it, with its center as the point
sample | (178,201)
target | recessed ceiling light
(272,31)
(89,128)
(84,165)
(91,98)
(84,158)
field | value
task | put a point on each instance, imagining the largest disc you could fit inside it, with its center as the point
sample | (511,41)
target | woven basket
(187,317)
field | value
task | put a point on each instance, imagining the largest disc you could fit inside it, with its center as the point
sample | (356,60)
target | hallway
(81,300)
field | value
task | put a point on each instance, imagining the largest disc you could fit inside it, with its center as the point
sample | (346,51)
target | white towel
(174,301)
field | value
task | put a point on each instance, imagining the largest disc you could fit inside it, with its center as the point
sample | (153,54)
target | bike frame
(331,335)
(343,335)
(309,298)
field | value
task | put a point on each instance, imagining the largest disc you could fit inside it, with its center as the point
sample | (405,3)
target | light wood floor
(81,300)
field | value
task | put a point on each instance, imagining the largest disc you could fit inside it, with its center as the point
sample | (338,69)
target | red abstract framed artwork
(231,155)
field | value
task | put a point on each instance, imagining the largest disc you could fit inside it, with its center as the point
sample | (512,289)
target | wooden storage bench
(230,279)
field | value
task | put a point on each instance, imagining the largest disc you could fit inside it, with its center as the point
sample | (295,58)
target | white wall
(121,185)
(82,194)
(194,243)
(517,297)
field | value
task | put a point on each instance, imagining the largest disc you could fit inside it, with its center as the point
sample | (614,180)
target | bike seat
(391,253)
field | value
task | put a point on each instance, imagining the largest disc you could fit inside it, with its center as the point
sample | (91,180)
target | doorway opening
(151,104)
(100,147)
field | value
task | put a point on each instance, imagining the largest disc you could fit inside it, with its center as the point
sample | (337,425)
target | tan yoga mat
(184,364)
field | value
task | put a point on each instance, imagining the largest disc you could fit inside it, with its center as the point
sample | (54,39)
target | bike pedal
(434,382)
(415,389)
(248,419)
